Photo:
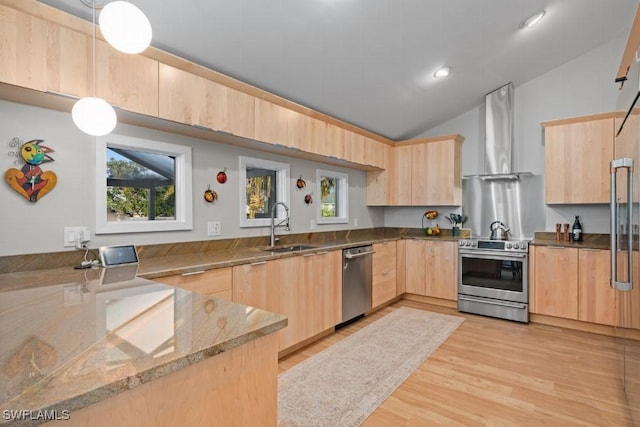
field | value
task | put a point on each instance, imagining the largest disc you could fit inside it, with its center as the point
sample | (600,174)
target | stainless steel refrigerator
(625,265)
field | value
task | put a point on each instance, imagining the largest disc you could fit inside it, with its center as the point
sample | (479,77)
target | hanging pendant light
(125,27)
(93,115)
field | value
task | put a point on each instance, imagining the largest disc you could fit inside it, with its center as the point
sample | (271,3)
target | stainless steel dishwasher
(356,281)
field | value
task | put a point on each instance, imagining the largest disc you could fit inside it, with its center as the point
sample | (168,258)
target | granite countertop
(73,338)
(589,241)
(183,263)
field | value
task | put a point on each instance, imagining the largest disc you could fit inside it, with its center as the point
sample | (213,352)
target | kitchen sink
(290,248)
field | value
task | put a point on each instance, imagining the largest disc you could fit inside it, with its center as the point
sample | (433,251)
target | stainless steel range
(493,278)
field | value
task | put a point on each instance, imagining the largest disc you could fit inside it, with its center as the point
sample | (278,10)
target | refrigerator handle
(616,164)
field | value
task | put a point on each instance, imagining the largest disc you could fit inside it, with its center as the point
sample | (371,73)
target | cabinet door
(190,99)
(374,152)
(22,49)
(596,297)
(354,148)
(326,292)
(334,144)
(271,122)
(415,267)
(576,161)
(400,176)
(69,66)
(626,145)
(254,286)
(127,81)
(305,133)
(293,297)
(216,282)
(555,290)
(384,273)
(378,180)
(441,275)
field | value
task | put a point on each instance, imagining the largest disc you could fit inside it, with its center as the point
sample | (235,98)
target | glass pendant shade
(125,27)
(94,116)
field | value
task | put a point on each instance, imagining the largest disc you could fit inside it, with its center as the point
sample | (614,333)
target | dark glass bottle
(576,231)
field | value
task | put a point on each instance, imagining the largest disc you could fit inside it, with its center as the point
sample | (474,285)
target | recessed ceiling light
(532,20)
(442,72)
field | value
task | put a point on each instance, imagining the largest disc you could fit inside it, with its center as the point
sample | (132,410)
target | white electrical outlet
(73,234)
(355,222)
(312,224)
(214,228)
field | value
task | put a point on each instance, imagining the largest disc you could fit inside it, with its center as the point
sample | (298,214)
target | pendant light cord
(94,47)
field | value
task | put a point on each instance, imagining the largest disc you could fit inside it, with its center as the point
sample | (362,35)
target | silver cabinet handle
(306,255)
(258,263)
(621,163)
(192,273)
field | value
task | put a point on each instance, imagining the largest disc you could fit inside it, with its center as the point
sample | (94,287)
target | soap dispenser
(576,231)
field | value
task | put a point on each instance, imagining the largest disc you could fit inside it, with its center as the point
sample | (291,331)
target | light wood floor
(493,372)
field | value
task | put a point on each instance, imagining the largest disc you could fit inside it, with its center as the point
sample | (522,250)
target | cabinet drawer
(210,282)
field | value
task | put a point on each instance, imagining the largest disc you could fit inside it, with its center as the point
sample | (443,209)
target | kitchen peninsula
(99,350)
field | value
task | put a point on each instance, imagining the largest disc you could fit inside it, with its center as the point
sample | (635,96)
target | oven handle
(493,302)
(493,255)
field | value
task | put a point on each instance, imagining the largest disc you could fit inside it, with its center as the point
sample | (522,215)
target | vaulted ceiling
(371,62)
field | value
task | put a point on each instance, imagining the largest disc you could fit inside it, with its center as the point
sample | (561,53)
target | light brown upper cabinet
(69,64)
(577,154)
(627,146)
(194,100)
(423,172)
(377,188)
(303,133)
(127,81)
(23,49)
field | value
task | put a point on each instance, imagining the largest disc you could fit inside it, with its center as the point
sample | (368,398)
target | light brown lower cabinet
(431,268)
(254,284)
(596,297)
(307,289)
(572,283)
(554,288)
(384,273)
(214,283)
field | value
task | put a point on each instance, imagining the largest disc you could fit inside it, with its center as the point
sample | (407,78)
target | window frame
(342,197)
(183,185)
(282,189)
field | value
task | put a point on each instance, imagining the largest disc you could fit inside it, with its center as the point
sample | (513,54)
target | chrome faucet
(273,221)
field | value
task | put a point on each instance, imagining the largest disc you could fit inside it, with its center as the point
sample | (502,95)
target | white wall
(38,227)
(580,87)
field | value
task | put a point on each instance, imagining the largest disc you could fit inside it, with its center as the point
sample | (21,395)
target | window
(333,188)
(142,185)
(262,184)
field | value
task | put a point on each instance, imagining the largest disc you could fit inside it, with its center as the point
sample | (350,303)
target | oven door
(494,275)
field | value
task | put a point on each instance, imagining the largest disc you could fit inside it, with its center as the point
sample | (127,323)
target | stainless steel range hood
(498,142)
(500,194)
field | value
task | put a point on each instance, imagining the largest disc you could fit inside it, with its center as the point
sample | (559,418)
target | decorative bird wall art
(31,182)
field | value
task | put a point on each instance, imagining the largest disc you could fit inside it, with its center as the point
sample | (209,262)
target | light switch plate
(214,228)
(70,234)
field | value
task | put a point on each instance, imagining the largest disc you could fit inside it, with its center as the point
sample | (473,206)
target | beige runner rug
(342,385)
